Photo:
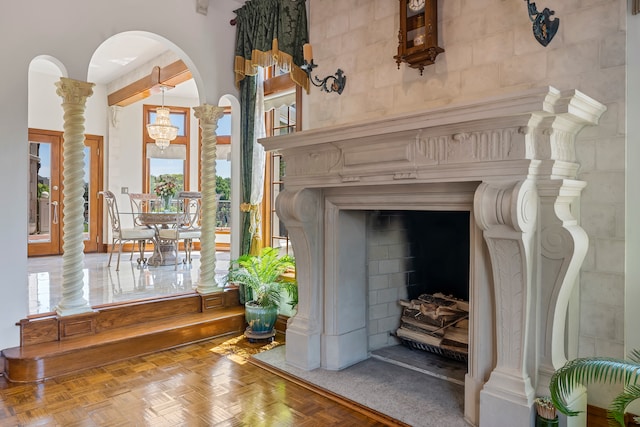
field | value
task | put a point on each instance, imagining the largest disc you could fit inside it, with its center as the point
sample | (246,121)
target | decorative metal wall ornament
(544,28)
(338,80)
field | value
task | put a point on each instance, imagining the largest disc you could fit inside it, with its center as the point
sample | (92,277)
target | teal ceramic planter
(261,320)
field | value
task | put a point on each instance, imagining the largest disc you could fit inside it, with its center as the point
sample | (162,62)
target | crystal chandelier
(162,131)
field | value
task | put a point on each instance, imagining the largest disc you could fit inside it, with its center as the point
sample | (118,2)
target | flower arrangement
(165,189)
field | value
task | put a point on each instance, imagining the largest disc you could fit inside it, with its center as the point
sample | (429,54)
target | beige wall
(490,49)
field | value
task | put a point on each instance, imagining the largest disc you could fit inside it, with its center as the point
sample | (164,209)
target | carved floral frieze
(513,136)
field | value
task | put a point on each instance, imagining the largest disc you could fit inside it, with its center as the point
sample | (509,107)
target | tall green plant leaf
(584,371)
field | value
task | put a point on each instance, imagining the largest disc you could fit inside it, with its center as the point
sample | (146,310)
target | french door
(45,210)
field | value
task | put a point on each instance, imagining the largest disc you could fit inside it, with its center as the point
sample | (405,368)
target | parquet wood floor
(204,384)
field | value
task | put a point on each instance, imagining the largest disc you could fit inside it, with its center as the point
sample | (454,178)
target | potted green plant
(583,371)
(262,281)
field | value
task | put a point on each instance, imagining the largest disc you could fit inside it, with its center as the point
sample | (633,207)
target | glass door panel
(92,184)
(45,194)
(45,234)
(85,195)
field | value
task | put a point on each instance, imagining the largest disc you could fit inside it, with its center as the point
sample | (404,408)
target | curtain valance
(271,32)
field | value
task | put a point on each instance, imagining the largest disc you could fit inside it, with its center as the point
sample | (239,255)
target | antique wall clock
(418,36)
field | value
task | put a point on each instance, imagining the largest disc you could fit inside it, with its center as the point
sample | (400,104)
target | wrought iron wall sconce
(544,28)
(333,83)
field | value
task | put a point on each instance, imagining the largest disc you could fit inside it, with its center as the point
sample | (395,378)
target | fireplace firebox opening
(418,263)
(439,248)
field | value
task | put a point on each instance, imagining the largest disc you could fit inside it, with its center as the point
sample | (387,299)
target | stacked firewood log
(437,322)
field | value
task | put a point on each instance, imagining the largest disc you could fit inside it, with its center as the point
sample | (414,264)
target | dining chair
(187,226)
(142,202)
(119,235)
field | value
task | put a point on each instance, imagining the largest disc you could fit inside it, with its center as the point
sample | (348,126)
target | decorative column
(301,212)
(507,214)
(74,94)
(208,116)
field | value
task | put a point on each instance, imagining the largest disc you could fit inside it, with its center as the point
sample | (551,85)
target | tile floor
(105,285)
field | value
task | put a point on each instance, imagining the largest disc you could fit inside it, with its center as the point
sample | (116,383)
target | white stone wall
(387,252)
(490,49)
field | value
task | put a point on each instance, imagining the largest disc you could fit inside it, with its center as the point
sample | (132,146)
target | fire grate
(451,354)
(436,323)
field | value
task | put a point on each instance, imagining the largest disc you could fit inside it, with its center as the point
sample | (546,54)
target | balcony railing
(223,215)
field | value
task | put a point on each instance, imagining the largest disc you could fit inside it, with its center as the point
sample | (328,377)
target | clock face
(416,5)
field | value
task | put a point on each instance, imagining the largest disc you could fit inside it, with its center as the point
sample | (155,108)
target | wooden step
(116,333)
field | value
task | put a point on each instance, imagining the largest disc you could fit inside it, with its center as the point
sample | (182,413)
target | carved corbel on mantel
(301,211)
(564,245)
(507,214)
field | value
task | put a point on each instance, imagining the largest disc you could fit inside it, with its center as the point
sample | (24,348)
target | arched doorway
(123,157)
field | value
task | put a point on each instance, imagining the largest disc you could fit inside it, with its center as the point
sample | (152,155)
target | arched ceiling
(119,56)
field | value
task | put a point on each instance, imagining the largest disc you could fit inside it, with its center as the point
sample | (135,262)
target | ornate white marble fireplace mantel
(509,161)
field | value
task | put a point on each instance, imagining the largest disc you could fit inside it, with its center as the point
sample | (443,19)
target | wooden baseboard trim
(39,362)
(597,417)
(355,406)
(56,345)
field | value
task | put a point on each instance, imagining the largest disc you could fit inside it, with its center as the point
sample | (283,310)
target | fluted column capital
(74,91)
(208,114)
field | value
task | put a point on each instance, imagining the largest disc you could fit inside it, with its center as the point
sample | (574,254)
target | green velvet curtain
(247,131)
(268,32)
(271,32)
(247,128)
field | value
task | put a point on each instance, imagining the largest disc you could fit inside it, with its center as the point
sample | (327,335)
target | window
(223,169)
(171,162)
(282,116)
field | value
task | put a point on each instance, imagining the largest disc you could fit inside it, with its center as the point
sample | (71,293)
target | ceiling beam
(170,75)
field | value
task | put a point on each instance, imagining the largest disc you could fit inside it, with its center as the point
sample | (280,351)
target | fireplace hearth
(507,163)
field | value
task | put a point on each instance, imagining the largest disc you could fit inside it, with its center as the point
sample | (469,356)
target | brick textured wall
(388,263)
(489,50)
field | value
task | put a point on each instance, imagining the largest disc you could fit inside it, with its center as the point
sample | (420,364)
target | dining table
(164,251)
